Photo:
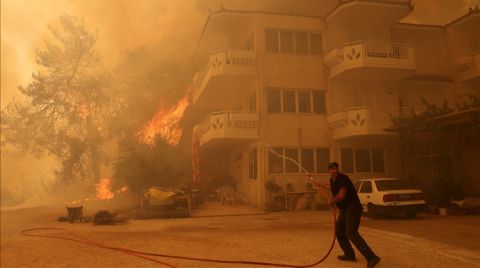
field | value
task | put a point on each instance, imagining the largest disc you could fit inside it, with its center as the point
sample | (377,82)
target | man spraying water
(346,199)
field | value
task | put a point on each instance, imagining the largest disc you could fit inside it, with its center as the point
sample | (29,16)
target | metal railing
(380,114)
(221,59)
(383,49)
(228,119)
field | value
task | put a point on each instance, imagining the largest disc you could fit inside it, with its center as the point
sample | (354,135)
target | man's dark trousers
(347,229)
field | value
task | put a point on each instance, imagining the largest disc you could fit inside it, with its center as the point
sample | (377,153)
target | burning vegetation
(82,114)
(165,123)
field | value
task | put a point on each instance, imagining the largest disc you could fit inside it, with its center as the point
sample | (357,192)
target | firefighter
(345,198)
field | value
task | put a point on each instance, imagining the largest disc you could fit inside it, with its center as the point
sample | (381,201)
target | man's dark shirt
(351,197)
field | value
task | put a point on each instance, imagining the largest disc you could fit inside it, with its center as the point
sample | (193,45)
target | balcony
(227,128)
(361,121)
(225,79)
(371,60)
(468,68)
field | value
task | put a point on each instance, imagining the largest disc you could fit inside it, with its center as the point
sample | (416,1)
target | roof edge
(471,11)
(224,10)
(345,2)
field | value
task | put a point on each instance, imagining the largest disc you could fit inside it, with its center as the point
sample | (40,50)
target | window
(289,101)
(301,43)
(366,160)
(378,161)
(363,98)
(304,102)
(308,160)
(356,185)
(316,46)
(291,166)
(295,101)
(273,100)
(389,185)
(323,158)
(286,42)
(319,102)
(362,160)
(271,41)
(252,164)
(347,160)
(275,162)
(366,187)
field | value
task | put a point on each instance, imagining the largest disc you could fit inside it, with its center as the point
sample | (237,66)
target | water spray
(307,173)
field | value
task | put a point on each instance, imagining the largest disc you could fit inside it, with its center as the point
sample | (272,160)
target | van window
(366,187)
(357,185)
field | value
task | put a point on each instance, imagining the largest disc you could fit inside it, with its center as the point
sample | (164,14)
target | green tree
(66,109)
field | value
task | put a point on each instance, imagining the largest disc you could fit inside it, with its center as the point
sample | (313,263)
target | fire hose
(149,255)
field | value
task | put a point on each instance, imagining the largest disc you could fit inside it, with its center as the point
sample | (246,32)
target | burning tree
(68,105)
(155,148)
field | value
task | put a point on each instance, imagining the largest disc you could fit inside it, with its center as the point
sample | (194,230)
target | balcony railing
(386,50)
(228,125)
(369,54)
(233,62)
(356,121)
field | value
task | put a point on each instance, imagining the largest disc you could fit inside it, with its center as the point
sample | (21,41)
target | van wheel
(411,215)
(372,211)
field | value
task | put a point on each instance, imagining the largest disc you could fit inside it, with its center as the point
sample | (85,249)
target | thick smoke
(165,30)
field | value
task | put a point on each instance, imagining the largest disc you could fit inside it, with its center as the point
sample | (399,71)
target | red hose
(144,255)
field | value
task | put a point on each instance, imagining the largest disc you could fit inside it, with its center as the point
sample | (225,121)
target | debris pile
(103,217)
(74,214)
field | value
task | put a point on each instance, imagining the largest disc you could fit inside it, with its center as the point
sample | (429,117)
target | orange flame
(104,189)
(103,192)
(165,124)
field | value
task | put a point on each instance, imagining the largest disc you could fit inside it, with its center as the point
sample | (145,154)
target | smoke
(165,31)
(439,12)
(171,26)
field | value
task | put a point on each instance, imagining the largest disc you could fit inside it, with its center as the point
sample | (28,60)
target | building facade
(320,89)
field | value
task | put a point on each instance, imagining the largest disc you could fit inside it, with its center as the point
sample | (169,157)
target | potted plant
(274,202)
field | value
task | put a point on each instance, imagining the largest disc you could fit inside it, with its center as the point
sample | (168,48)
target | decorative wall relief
(357,120)
(353,55)
(217,122)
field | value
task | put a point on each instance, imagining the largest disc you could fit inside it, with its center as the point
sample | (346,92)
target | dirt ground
(293,237)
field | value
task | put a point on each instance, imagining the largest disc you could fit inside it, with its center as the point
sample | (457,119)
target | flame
(104,192)
(165,123)
(104,189)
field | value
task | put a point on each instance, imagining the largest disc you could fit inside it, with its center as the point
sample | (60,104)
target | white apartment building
(321,89)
